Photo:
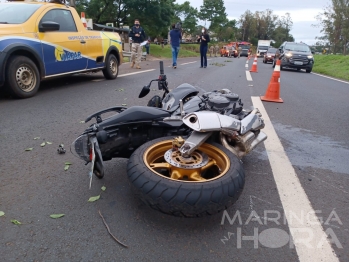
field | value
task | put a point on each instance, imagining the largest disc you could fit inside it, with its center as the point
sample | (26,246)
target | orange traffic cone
(254,65)
(83,19)
(273,92)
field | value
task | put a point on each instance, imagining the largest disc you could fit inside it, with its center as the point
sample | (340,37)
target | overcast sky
(303,13)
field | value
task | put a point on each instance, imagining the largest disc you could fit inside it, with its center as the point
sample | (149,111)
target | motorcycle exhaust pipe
(211,121)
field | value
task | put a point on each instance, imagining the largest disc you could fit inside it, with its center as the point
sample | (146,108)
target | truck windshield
(263,47)
(16,13)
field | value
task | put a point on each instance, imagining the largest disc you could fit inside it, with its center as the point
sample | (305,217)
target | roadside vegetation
(157,51)
(332,65)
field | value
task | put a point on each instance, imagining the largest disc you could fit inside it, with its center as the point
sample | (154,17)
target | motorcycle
(184,149)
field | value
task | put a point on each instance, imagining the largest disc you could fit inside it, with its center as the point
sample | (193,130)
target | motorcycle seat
(134,114)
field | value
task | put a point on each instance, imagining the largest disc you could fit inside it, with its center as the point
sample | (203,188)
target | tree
(334,21)
(188,15)
(213,11)
(155,15)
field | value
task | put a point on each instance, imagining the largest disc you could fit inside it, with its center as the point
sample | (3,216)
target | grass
(157,51)
(332,65)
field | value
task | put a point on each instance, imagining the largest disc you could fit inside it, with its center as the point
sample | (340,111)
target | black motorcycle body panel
(125,138)
(134,114)
(171,100)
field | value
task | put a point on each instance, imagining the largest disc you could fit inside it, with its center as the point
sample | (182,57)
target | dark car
(269,55)
(245,50)
(295,55)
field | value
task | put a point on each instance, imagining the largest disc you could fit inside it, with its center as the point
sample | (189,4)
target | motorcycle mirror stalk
(162,83)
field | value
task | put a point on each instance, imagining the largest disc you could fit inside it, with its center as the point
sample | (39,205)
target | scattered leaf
(61,145)
(68,163)
(93,199)
(16,222)
(29,149)
(82,122)
(66,167)
(121,89)
(56,215)
(103,188)
(49,143)
(36,138)
(2,213)
(43,144)
(124,104)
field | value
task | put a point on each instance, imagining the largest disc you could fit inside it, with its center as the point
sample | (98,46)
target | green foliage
(334,21)
(187,14)
(265,25)
(186,50)
(213,11)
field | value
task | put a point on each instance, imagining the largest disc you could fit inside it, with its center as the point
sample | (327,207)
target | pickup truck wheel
(22,76)
(111,69)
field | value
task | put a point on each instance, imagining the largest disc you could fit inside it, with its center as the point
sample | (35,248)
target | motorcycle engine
(224,100)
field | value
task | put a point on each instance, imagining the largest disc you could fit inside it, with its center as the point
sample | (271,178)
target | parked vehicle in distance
(269,55)
(262,47)
(40,40)
(245,49)
(295,55)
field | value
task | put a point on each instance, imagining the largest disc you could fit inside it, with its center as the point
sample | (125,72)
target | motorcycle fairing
(135,113)
(171,100)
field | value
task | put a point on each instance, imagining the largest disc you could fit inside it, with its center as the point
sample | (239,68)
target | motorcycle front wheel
(205,184)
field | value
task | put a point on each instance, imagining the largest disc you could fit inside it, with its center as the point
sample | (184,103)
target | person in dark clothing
(138,36)
(204,38)
(176,36)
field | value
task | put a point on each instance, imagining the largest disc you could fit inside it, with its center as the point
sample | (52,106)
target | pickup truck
(40,40)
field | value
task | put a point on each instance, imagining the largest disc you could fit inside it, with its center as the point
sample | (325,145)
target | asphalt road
(312,125)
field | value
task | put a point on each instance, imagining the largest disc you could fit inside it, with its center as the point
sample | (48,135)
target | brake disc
(197,159)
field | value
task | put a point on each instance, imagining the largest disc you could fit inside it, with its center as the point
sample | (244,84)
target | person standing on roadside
(175,36)
(211,50)
(138,36)
(216,49)
(204,38)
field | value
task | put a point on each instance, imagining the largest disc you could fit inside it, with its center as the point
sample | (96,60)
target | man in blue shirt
(176,37)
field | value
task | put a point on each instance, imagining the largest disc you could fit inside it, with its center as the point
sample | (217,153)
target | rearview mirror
(49,26)
(144,92)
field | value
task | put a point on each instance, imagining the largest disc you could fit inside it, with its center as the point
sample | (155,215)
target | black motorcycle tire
(185,199)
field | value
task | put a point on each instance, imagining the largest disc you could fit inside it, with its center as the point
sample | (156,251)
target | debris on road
(103,188)
(2,213)
(43,144)
(106,225)
(16,222)
(36,138)
(29,149)
(61,149)
(93,199)
(67,165)
(56,216)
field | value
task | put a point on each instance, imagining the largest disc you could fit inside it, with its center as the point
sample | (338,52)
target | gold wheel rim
(216,167)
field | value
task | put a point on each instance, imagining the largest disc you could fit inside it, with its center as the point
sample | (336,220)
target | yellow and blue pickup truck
(40,40)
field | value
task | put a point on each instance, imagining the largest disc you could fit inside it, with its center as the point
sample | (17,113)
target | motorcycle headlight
(310,56)
(288,54)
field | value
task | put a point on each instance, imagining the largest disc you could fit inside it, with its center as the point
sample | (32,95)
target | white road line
(188,63)
(248,76)
(246,65)
(308,235)
(135,73)
(345,82)
(97,80)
